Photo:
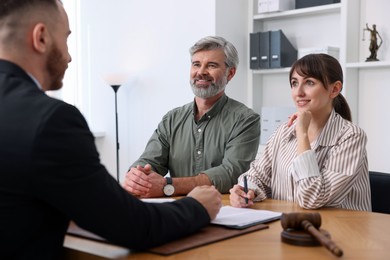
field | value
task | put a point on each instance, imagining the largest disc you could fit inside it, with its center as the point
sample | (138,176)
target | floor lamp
(115,81)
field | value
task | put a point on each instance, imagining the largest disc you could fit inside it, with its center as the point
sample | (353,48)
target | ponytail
(341,106)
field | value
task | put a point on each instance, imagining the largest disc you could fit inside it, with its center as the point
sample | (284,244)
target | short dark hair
(8,7)
(327,70)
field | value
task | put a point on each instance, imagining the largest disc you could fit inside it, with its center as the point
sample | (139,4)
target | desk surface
(361,235)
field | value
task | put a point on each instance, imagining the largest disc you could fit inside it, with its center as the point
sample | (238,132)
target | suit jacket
(51,174)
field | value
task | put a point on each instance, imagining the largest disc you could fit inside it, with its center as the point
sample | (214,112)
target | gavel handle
(325,241)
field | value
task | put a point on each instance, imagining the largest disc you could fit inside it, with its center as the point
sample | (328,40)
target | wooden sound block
(301,237)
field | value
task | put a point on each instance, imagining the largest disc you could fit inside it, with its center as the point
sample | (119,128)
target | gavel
(310,222)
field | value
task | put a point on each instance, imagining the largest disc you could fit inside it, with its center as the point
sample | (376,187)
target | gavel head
(294,220)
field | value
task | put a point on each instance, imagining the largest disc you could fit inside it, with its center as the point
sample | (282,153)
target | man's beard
(212,90)
(56,66)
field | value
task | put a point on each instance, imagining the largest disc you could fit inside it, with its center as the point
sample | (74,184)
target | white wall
(150,41)
(374,86)
(232,23)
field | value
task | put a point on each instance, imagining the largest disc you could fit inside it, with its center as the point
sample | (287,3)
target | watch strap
(169,180)
(169,189)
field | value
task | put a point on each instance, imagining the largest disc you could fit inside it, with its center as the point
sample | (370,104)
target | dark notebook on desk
(206,235)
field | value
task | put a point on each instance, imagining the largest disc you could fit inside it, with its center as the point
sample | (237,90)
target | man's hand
(209,197)
(143,182)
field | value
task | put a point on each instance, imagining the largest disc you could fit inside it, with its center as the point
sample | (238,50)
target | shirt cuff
(305,166)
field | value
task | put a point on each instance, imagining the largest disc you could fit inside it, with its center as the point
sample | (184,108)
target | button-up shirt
(334,173)
(221,144)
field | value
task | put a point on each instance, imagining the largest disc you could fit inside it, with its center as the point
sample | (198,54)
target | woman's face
(309,94)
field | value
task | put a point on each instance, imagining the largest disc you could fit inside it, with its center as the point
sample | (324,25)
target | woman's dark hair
(327,70)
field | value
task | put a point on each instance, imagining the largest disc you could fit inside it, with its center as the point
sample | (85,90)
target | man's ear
(336,89)
(40,38)
(232,72)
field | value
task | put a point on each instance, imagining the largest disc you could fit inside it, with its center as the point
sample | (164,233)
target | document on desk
(240,218)
(157,200)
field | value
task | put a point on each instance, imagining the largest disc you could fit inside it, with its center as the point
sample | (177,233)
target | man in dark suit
(50,169)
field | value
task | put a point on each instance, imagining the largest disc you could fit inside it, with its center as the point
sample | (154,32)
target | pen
(246,188)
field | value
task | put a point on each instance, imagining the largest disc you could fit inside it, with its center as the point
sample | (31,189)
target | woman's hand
(238,195)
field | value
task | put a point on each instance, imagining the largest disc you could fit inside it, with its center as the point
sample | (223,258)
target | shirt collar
(332,126)
(326,137)
(35,81)
(215,109)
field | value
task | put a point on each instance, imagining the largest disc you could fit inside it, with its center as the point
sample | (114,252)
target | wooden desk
(361,235)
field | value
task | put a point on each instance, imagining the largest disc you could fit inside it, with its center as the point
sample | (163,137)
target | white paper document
(244,217)
(158,200)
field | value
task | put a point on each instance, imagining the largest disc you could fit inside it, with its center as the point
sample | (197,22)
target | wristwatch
(169,189)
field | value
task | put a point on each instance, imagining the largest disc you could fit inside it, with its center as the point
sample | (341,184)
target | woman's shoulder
(349,129)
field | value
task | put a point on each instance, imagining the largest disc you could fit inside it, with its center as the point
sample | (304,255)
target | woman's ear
(336,89)
(40,38)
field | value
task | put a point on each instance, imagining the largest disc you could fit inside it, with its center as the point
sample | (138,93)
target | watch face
(169,190)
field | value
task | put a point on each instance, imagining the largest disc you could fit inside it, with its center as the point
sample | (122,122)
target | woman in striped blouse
(318,157)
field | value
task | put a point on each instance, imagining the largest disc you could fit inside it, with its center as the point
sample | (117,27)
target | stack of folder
(310,3)
(271,49)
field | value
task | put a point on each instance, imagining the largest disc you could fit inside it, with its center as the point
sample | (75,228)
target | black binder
(265,42)
(271,49)
(283,53)
(310,3)
(254,50)
(260,50)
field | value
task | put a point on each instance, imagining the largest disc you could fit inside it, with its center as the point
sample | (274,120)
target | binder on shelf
(264,45)
(271,49)
(310,3)
(283,53)
(254,49)
(259,50)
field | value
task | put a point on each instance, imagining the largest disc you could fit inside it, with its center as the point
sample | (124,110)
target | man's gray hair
(216,42)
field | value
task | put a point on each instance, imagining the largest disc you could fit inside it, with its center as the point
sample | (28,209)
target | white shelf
(368,65)
(272,71)
(323,9)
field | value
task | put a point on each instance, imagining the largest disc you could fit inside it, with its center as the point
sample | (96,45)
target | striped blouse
(334,173)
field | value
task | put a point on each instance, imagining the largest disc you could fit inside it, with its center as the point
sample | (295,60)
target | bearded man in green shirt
(209,141)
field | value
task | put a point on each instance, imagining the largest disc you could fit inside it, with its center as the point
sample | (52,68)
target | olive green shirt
(221,144)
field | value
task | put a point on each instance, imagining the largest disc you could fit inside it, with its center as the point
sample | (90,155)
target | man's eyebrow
(208,63)
(213,63)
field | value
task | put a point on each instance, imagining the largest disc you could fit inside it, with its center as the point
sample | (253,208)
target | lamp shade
(116,79)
